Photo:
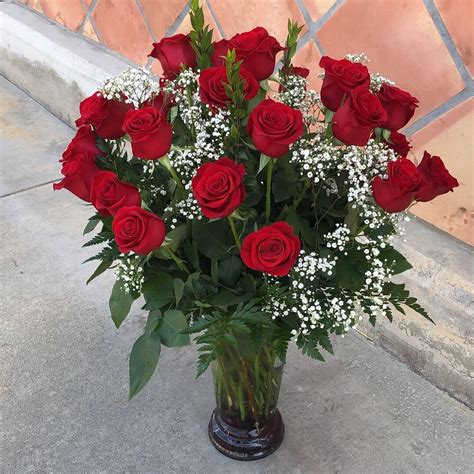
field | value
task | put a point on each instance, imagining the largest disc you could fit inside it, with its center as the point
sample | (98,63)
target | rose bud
(256,49)
(82,142)
(108,194)
(211,85)
(138,230)
(274,127)
(151,135)
(397,191)
(219,187)
(79,171)
(173,53)
(340,78)
(435,178)
(106,116)
(295,71)
(272,249)
(219,52)
(357,117)
(399,105)
(398,143)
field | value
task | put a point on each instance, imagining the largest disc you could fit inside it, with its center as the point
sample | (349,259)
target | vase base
(246,444)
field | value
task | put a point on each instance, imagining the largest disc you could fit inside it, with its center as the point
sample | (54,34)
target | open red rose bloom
(228,187)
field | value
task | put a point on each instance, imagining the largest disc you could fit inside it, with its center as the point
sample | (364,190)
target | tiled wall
(423,45)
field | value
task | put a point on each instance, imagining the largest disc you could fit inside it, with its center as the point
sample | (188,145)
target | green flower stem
(300,196)
(268,192)
(178,261)
(234,232)
(165,161)
(246,386)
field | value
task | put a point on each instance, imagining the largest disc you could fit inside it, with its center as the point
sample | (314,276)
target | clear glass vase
(246,423)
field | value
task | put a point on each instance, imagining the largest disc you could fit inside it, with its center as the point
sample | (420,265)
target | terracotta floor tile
(121,27)
(185,26)
(69,13)
(236,16)
(458,17)
(317,8)
(309,56)
(161,14)
(402,42)
(452,138)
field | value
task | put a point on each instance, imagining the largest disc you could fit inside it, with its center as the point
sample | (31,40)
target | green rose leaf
(158,291)
(120,303)
(213,239)
(229,271)
(143,361)
(395,260)
(170,331)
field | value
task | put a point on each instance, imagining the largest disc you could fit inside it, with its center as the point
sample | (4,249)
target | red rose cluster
(406,183)
(150,133)
(358,112)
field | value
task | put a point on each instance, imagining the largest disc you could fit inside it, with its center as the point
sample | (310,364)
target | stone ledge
(41,57)
(54,66)
(442,280)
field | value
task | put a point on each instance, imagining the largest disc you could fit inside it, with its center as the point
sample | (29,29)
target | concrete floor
(63,365)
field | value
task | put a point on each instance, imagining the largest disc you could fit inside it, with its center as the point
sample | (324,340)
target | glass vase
(246,423)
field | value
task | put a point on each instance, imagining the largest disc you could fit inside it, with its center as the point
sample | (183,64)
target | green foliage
(291,44)
(143,360)
(170,330)
(201,35)
(394,260)
(103,266)
(213,239)
(92,224)
(399,295)
(229,271)
(158,291)
(120,303)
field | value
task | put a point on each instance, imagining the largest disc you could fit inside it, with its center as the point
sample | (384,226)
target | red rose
(151,135)
(256,48)
(357,117)
(219,187)
(138,230)
(211,85)
(78,170)
(272,249)
(173,52)
(106,116)
(274,127)
(398,143)
(82,142)
(396,192)
(340,77)
(435,178)
(108,194)
(399,105)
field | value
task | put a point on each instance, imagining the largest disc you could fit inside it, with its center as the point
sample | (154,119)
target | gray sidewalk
(63,365)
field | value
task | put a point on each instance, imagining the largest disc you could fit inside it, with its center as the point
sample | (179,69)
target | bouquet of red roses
(246,208)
